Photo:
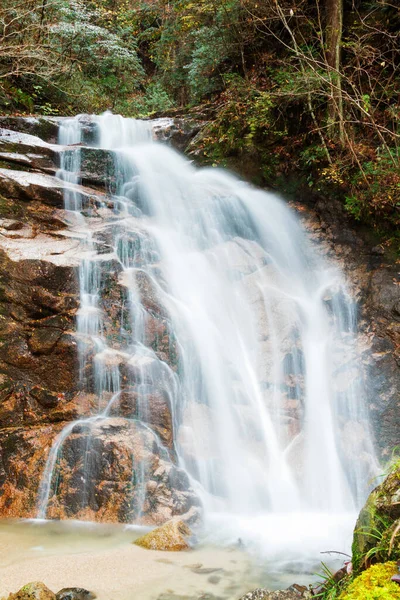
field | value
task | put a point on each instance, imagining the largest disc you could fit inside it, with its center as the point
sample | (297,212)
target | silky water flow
(265,384)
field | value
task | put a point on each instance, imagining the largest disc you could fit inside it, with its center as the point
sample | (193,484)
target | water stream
(259,361)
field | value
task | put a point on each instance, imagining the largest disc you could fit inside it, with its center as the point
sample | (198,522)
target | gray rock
(44,127)
(289,594)
(75,594)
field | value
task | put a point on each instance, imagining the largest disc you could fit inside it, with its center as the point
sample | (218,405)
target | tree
(334,31)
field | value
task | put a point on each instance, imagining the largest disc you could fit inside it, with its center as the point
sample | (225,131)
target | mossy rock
(46,128)
(172,536)
(35,590)
(377,531)
(374,584)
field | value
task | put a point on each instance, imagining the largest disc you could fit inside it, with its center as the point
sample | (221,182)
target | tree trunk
(333,39)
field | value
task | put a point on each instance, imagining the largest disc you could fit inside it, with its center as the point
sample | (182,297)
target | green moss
(374,584)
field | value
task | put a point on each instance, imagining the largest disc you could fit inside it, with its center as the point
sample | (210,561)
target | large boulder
(173,536)
(28,151)
(46,128)
(74,593)
(115,469)
(33,591)
(377,531)
(46,189)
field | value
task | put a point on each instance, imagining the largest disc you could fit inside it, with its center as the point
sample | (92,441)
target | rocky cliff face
(375,284)
(40,383)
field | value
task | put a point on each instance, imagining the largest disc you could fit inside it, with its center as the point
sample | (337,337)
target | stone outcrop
(131,475)
(374,282)
(42,386)
(377,531)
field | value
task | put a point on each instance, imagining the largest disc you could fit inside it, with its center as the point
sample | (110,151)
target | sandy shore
(123,572)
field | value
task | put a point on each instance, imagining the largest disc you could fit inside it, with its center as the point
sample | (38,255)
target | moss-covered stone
(374,584)
(33,591)
(172,536)
(45,128)
(377,532)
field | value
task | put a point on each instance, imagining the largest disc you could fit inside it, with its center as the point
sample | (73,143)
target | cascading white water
(267,382)
(70,134)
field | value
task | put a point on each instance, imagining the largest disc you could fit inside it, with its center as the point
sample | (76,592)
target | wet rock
(48,190)
(39,301)
(151,405)
(45,128)
(173,536)
(28,151)
(149,294)
(176,132)
(75,594)
(43,340)
(33,591)
(23,453)
(98,168)
(373,281)
(263,594)
(131,475)
(132,465)
(44,397)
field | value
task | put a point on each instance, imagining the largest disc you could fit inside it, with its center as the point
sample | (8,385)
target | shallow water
(103,559)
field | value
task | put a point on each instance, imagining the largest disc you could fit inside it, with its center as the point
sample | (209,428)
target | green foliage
(261,67)
(353,205)
(208,54)
(377,533)
(154,99)
(109,58)
(312,155)
(375,190)
(331,586)
(243,124)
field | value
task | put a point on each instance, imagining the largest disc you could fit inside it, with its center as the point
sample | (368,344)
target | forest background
(299,95)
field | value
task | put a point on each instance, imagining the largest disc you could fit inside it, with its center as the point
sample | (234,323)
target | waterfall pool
(102,558)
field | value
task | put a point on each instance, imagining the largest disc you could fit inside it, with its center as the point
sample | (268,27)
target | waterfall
(262,372)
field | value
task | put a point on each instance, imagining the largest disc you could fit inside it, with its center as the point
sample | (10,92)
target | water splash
(261,375)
